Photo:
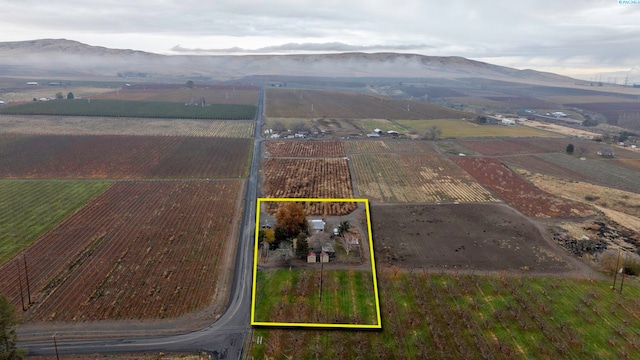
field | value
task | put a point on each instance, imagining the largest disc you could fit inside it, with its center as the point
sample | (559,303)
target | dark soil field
(483,237)
(334,104)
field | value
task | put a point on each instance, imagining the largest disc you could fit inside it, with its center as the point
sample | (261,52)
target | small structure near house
(324,257)
(373,134)
(311,257)
(2,102)
(392,133)
(508,122)
(377,131)
(33,83)
(317,226)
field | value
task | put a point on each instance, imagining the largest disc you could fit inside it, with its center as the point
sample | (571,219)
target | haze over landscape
(592,40)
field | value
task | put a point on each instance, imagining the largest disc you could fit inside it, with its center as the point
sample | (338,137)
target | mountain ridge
(73,57)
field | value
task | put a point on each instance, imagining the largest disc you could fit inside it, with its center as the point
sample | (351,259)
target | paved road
(223,339)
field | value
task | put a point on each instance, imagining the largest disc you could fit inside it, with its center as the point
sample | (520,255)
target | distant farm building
(311,257)
(508,122)
(32,83)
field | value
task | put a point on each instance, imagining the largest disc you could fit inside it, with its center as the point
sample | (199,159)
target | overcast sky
(579,38)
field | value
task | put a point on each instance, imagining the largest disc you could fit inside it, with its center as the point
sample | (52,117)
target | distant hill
(59,57)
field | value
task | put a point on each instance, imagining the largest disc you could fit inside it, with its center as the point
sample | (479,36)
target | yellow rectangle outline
(315,325)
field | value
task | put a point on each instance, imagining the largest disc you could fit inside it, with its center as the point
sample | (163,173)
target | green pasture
(30,208)
(473,317)
(116,108)
(293,296)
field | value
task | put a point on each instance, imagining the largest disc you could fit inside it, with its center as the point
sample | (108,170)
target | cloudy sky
(587,38)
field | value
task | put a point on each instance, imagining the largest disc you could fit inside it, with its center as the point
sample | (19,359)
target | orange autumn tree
(291,217)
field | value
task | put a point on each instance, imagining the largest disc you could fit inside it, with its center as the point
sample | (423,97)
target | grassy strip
(30,208)
(292,296)
(120,108)
(465,129)
(465,316)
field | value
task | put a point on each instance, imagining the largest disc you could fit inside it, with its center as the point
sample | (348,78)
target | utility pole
(20,283)
(622,280)
(615,274)
(321,268)
(55,345)
(26,275)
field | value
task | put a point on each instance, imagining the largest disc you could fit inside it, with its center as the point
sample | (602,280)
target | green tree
(190,84)
(70,96)
(302,246)
(570,149)
(344,226)
(280,235)
(8,321)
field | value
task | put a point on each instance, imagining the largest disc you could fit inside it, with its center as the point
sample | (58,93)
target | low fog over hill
(71,58)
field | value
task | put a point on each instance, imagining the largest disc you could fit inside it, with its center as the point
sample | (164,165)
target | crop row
(379,146)
(473,317)
(116,156)
(519,193)
(94,125)
(294,297)
(310,178)
(289,103)
(145,249)
(603,171)
(320,149)
(28,209)
(415,178)
(144,109)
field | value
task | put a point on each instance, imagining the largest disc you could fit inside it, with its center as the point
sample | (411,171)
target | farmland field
(461,236)
(625,114)
(435,316)
(466,129)
(411,177)
(493,147)
(114,156)
(146,109)
(519,193)
(139,250)
(309,178)
(211,95)
(380,146)
(536,164)
(292,296)
(602,171)
(296,103)
(94,125)
(28,209)
(305,149)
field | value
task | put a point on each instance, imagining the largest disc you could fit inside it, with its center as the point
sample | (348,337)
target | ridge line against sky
(585,39)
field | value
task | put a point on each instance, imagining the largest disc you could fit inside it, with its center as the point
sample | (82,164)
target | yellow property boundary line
(314,325)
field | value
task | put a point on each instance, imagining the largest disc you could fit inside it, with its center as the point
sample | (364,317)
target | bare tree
(278,126)
(432,132)
(347,241)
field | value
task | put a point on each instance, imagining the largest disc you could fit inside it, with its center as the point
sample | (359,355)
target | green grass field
(466,129)
(30,208)
(116,108)
(293,296)
(474,317)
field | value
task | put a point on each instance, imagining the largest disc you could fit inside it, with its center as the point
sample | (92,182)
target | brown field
(139,250)
(538,165)
(466,236)
(309,178)
(519,193)
(82,125)
(211,95)
(624,114)
(559,129)
(380,146)
(114,156)
(321,149)
(333,104)
(394,178)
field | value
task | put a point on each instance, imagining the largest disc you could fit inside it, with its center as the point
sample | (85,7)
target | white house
(508,122)
(317,226)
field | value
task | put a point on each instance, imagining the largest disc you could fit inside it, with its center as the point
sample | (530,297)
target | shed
(311,257)
(324,257)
